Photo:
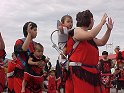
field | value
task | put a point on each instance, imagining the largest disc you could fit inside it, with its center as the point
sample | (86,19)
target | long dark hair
(84,18)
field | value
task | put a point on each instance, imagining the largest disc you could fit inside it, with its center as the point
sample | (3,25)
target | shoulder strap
(20,58)
(74,47)
(22,61)
(70,53)
(76,44)
(23,39)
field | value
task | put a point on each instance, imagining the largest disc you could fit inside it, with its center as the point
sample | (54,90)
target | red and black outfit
(105,68)
(120,57)
(120,75)
(52,84)
(10,76)
(22,59)
(63,78)
(84,78)
(34,75)
(2,72)
(120,79)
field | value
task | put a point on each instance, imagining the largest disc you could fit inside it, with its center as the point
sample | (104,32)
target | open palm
(110,24)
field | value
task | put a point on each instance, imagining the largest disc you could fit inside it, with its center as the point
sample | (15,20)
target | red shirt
(11,66)
(18,50)
(86,53)
(52,84)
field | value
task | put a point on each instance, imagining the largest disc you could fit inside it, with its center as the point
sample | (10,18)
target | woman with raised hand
(23,47)
(84,76)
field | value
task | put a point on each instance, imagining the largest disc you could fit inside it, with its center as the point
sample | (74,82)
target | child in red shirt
(10,73)
(52,82)
(34,74)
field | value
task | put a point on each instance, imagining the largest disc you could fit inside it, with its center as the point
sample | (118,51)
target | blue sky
(14,13)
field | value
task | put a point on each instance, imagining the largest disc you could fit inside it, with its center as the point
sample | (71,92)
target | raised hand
(29,28)
(103,20)
(110,24)
(2,44)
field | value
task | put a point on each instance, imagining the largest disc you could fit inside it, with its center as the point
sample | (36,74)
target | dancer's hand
(29,28)
(103,20)
(110,24)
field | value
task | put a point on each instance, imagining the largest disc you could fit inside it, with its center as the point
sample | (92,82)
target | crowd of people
(112,70)
(78,67)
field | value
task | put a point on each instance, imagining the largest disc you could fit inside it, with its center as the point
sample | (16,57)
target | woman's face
(34,32)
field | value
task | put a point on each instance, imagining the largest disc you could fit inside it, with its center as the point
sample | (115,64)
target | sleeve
(111,62)
(31,56)
(18,47)
(100,65)
(43,58)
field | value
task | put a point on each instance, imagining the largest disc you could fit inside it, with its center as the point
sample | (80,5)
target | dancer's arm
(2,44)
(104,39)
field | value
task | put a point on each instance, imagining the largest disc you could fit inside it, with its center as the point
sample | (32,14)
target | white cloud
(14,13)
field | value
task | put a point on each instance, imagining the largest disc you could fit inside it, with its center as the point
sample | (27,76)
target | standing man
(105,68)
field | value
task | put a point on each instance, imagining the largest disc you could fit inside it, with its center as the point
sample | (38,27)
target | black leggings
(120,85)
